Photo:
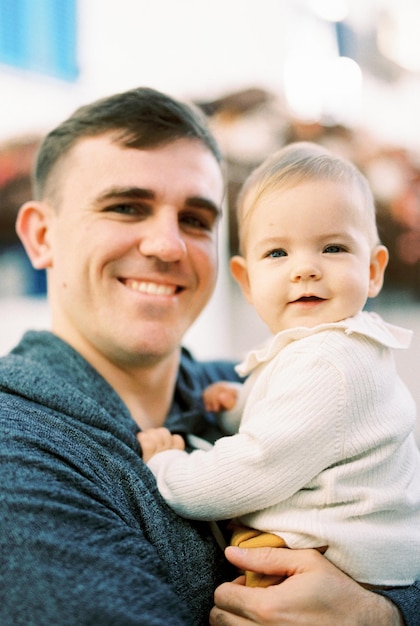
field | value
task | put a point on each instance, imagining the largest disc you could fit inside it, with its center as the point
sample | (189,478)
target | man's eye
(123,209)
(277,253)
(196,222)
(334,249)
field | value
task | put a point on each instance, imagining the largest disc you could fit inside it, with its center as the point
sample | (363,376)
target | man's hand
(158,439)
(315,593)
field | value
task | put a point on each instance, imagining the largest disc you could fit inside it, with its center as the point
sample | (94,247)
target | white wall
(197,49)
(190,48)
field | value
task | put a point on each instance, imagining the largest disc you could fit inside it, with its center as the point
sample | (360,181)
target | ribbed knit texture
(325,454)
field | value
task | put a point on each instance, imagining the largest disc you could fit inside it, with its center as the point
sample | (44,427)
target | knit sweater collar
(364,323)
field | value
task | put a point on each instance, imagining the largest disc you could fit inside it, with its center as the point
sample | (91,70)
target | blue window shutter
(40,36)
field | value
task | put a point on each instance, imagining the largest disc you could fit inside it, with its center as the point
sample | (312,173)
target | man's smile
(152,288)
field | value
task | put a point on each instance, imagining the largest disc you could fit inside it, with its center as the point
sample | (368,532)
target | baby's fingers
(158,439)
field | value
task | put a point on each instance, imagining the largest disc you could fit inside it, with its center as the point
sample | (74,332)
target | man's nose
(163,239)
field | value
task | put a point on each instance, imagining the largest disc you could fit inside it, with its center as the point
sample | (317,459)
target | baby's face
(308,256)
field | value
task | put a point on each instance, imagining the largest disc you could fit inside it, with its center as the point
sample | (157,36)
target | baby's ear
(378,262)
(239,272)
(33,226)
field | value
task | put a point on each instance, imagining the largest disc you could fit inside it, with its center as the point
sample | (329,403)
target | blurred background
(344,73)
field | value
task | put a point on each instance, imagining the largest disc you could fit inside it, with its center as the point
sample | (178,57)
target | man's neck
(147,391)
(146,385)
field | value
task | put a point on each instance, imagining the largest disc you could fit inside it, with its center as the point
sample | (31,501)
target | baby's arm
(228,400)
(156,440)
(220,396)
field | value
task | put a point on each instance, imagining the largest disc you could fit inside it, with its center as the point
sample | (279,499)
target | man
(128,194)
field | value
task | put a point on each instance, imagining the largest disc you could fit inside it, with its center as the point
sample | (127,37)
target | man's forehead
(186,152)
(186,166)
(118,141)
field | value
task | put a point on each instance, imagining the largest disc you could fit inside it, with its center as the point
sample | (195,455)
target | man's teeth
(156,289)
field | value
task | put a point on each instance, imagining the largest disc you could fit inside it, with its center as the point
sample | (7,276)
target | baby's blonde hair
(301,162)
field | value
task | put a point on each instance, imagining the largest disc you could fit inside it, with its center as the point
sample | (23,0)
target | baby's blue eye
(334,249)
(275,254)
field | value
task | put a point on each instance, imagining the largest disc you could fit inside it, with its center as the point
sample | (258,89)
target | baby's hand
(220,396)
(158,439)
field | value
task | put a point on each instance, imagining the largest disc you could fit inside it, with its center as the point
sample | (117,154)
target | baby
(321,451)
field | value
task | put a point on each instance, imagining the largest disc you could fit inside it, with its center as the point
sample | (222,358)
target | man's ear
(239,272)
(33,227)
(378,262)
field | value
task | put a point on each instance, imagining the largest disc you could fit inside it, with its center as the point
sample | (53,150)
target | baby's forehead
(359,209)
(273,190)
(296,180)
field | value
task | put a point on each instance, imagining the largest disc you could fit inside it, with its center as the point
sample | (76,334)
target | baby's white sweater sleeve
(289,435)
(230,420)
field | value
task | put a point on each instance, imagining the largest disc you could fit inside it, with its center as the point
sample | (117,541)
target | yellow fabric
(243,537)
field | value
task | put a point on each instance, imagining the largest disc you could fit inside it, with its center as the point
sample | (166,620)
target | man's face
(133,235)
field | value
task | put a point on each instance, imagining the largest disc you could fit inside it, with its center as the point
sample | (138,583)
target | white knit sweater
(325,453)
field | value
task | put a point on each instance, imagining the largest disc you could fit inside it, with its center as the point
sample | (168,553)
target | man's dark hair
(140,118)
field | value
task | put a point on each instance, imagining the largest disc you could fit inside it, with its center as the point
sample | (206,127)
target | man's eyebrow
(201,202)
(127,192)
(141,193)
